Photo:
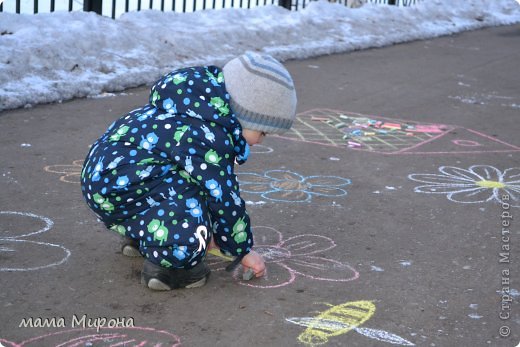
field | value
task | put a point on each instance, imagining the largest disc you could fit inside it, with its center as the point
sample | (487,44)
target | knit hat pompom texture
(262,93)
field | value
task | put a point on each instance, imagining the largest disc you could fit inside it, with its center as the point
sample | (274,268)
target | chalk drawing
(477,184)
(514,293)
(484,99)
(341,319)
(405,263)
(286,259)
(287,186)
(69,173)
(23,251)
(18,254)
(106,337)
(7,176)
(261,149)
(376,268)
(389,135)
(6,233)
(472,93)
(255,203)
(466,143)
(469,100)
(475,316)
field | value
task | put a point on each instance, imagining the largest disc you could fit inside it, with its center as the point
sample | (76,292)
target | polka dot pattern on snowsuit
(164,173)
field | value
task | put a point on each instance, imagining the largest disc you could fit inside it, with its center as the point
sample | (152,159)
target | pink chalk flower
(299,255)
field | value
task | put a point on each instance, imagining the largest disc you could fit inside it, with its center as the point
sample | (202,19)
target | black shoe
(130,247)
(157,277)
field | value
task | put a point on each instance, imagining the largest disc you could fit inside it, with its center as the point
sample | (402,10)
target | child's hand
(254,261)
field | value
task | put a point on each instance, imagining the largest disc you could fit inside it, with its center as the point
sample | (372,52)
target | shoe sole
(197,284)
(155,284)
(130,251)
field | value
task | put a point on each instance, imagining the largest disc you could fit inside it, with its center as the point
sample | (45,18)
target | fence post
(93,6)
(285,3)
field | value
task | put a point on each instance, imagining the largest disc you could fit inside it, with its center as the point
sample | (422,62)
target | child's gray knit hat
(262,93)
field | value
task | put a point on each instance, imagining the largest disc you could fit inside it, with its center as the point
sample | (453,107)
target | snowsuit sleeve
(210,165)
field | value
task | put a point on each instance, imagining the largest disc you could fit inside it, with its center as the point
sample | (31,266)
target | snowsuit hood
(164,96)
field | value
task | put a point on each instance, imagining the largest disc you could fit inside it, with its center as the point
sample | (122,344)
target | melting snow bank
(57,56)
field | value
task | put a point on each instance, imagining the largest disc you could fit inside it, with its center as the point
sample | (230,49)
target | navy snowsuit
(164,173)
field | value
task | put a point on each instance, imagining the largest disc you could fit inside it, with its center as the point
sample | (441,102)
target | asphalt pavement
(388,215)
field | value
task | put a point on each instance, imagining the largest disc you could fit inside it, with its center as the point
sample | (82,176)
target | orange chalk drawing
(69,173)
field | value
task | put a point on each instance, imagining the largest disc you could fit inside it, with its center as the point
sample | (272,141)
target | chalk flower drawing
(287,186)
(69,173)
(478,183)
(17,254)
(106,337)
(298,255)
(261,149)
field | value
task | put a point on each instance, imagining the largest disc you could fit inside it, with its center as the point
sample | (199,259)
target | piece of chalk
(248,274)
(320,119)
(391,125)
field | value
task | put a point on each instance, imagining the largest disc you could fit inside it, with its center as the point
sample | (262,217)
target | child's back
(163,175)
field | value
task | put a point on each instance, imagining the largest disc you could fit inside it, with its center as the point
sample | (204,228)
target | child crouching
(163,175)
